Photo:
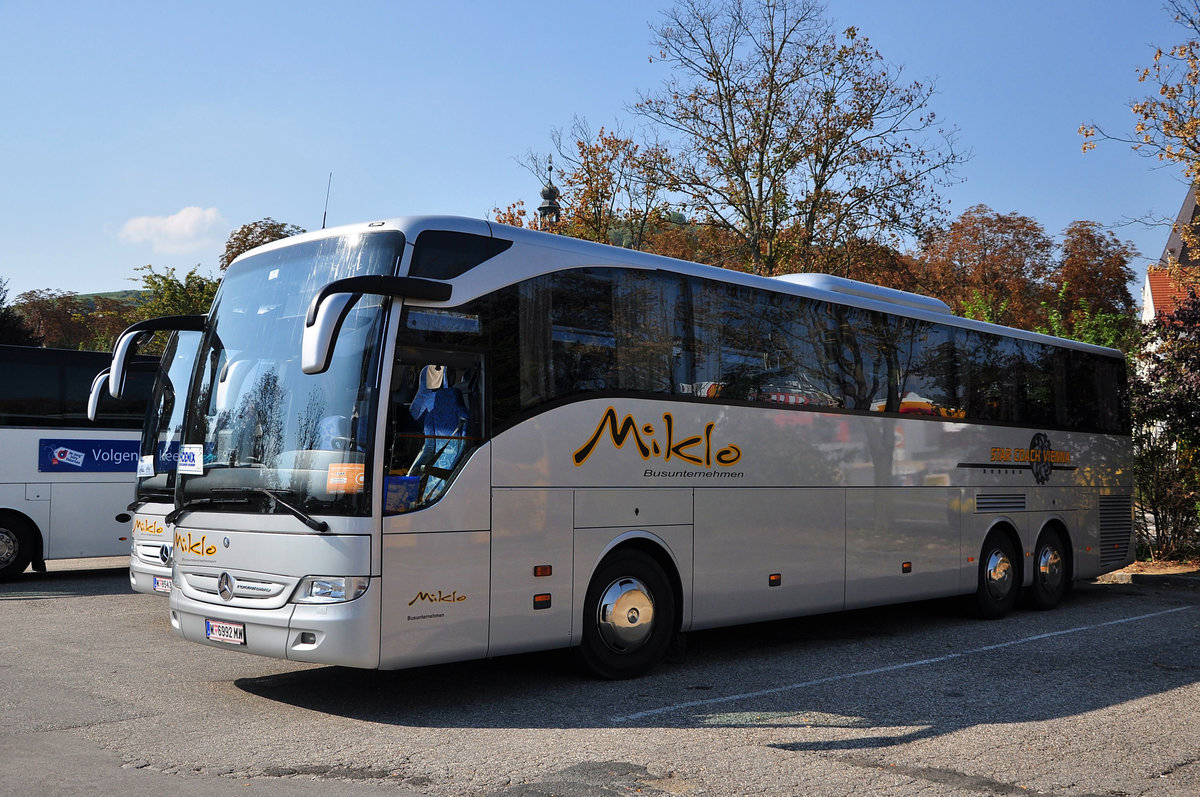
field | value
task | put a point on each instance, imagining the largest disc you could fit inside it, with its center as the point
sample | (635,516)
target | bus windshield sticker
(346,477)
(191,459)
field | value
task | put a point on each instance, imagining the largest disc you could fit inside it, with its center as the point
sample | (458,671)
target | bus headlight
(330,589)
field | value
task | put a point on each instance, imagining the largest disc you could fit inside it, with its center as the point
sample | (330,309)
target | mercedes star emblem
(225,586)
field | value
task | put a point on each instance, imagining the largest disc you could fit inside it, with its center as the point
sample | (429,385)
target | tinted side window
(31,394)
(443,255)
(728,329)
(590,331)
(50,387)
(650,322)
(583,344)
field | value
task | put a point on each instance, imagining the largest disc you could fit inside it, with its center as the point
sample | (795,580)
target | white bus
(150,550)
(432,439)
(65,482)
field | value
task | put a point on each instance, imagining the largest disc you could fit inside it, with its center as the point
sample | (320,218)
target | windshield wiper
(162,497)
(300,514)
(188,506)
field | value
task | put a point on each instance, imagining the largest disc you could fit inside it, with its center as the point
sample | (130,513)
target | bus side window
(434,423)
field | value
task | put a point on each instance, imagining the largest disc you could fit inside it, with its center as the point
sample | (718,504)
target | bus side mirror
(138,334)
(329,307)
(317,343)
(98,385)
(126,347)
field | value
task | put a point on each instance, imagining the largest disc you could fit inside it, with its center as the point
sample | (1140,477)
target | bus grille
(255,589)
(999,502)
(1116,528)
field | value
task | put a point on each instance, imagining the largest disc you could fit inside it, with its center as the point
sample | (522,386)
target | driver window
(433,425)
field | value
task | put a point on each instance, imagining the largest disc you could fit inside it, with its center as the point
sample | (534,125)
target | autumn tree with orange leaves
(611,187)
(991,266)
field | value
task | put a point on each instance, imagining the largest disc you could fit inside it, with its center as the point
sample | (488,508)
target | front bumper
(343,634)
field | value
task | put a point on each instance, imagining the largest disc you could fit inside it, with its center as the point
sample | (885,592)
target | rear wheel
(999,578)
(1051,575)
(16,547)
(629,617)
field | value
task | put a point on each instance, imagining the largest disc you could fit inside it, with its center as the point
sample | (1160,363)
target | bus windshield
(164,419)
(259,434)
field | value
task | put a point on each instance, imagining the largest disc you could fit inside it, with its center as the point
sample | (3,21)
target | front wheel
(629,617)
(999,577)
(16,547)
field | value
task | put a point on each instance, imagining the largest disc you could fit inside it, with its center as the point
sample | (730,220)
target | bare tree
(790,136)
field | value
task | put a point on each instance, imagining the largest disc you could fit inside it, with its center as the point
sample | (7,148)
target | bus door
(436,509)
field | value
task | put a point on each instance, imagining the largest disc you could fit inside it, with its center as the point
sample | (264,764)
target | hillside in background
(131,295)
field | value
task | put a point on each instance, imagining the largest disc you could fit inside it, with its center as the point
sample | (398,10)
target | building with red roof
(1161,293)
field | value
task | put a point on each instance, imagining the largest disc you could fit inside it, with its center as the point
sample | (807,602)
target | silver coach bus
(432,439)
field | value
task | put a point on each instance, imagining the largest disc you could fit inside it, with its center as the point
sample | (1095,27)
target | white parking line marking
(712,701)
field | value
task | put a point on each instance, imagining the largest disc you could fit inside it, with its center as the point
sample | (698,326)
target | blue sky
(138,133)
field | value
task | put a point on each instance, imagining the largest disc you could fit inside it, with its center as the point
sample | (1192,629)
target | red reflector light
(774,580)
(541,571)
(541,601)
(906,567)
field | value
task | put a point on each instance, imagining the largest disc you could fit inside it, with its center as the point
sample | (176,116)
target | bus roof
(510,267)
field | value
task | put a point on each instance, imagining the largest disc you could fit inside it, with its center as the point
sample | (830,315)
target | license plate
(162,584)
(221,631)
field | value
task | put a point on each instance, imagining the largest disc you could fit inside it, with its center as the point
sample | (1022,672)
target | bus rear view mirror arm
(136,335)
(332,303)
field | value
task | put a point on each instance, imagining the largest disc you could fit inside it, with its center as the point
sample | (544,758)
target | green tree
(1084,323)
(254,234)
(164,293)
(1165,400)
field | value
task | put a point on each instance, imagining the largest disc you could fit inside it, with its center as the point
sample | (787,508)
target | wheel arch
(658,550)
(1009,530)
(1059,525)
(38,552)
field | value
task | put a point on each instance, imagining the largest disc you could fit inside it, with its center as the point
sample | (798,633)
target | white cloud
(188,230)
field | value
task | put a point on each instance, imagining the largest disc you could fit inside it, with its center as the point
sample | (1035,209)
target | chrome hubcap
(8,547)
(998,575)
(1050,568)
(625,615)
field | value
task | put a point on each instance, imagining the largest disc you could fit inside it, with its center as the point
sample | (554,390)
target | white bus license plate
(162,584)
(221,631)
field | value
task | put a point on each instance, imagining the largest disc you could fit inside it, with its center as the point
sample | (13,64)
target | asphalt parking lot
(1098,697)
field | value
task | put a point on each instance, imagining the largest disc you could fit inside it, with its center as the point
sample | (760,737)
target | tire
(999,577)
(1051,572)
(16,547)
(629,617)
